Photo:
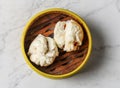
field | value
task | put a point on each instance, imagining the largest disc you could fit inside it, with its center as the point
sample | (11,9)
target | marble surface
(101,71)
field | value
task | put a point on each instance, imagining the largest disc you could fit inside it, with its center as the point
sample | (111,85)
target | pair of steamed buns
(68,35)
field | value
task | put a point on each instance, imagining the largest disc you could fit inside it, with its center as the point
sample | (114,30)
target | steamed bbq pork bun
(68,35)
(43,50)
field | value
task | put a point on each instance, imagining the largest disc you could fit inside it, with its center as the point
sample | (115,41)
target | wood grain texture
(66,61)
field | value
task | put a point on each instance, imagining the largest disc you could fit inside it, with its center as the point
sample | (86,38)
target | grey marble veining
(102,69)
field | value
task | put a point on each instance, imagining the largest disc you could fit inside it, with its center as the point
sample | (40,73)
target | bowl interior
(65,62)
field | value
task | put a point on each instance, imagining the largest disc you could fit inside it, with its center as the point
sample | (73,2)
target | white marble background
(103,68)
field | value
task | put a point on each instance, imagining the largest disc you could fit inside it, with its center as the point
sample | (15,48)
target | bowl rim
(67,12)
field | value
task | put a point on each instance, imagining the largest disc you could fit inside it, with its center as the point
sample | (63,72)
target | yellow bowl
(73,15)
